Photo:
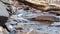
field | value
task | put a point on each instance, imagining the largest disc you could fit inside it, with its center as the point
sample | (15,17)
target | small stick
(29,31)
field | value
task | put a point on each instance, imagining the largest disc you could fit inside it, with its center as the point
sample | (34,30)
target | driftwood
(46,19)
(41,6)
(55,12)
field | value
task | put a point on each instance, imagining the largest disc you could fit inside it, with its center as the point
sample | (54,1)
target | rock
(3,11)
(6,1)
(3,14)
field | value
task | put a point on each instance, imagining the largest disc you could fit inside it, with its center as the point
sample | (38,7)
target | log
(43,6)
(46,18)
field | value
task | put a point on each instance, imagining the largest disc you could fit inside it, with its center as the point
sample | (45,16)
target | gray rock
(3,11)
(6,1)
